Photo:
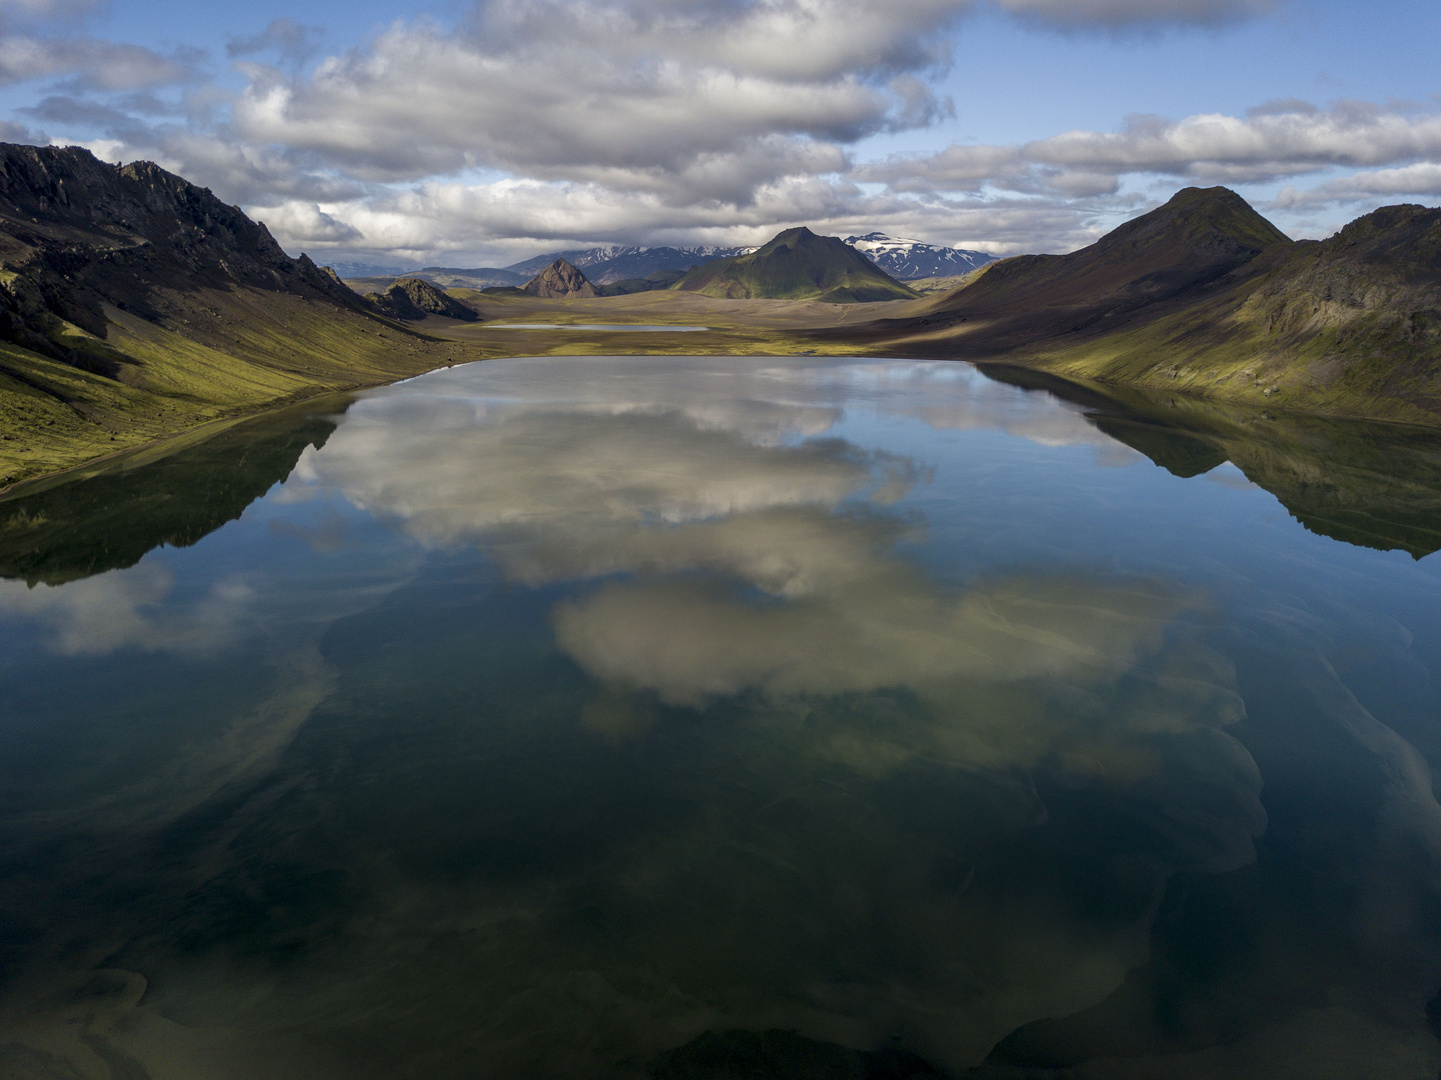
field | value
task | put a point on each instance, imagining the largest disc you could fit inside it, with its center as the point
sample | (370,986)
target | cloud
(1123,13)
(1284,139)
(40,11)
(308,220)
(291,41)
(93,64)
(534,123)
(1422,179)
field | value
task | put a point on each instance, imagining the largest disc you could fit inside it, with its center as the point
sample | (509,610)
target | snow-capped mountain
(908,260)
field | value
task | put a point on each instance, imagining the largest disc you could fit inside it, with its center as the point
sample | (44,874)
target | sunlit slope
(796,265)
(1347,325)
(1205,295)
(134,304)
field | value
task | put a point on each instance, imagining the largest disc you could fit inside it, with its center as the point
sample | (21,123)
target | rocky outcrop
(412,298)
(559,281)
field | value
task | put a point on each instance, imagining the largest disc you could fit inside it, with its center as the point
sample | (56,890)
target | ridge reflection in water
(555,712)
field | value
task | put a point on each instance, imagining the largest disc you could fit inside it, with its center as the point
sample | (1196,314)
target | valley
(137,307)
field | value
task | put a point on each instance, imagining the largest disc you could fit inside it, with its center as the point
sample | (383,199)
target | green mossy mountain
(1205,295)
(797,265)
(134,305)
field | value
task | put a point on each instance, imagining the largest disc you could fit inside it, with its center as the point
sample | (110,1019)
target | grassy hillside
(1204,295)
(796,265)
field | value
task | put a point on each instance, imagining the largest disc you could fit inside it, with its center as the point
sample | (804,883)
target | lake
(728,716)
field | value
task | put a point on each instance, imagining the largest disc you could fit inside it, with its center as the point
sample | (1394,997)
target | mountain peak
(797,264)
(1213,219)
(559,281)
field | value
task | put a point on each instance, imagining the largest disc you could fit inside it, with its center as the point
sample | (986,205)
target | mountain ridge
(912,260)
(796,264)
(1206,296)
(134,304)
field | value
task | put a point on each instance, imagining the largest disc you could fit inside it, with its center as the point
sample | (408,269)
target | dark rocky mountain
(797,265)
(411,298)
(134,304)
(611,264)
(77,235)
(912,260)
(559,281)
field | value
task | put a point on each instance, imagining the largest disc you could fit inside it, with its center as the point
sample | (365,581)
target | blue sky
(480,133)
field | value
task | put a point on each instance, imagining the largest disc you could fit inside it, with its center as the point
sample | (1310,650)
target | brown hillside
(559,281)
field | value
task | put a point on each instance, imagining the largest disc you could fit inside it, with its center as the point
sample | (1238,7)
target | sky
(481,133)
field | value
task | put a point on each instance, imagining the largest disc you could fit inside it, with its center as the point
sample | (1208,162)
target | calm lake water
(707,717)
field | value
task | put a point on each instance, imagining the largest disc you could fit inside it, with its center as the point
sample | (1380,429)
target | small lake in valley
(625,717)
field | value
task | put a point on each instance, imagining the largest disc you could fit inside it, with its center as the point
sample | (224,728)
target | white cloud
(1214,148)
(670,121)
(102,65)
(1422,179)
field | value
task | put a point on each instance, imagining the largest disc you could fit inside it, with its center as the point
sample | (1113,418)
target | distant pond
(624,717)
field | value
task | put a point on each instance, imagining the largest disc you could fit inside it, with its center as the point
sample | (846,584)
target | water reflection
(554,713)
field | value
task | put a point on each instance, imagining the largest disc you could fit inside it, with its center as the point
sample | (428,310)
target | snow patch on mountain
(909,260)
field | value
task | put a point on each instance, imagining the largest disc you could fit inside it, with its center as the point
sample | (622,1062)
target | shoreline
(178,440)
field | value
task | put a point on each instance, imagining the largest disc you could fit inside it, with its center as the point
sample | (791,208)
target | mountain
(911,260)
(481,277)
(134,304)
(351,269)
(559,281)
(607,265)
(796,265)
(411,298)
(1205,296)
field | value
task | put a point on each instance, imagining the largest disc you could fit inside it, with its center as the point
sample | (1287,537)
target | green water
(721,717)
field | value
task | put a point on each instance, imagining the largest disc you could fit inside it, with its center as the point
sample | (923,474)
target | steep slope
(134,304)
(559,281)
(411,298)
(911,260)
(796,265)
(1204,295)
(1349,325)
(1190,244)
